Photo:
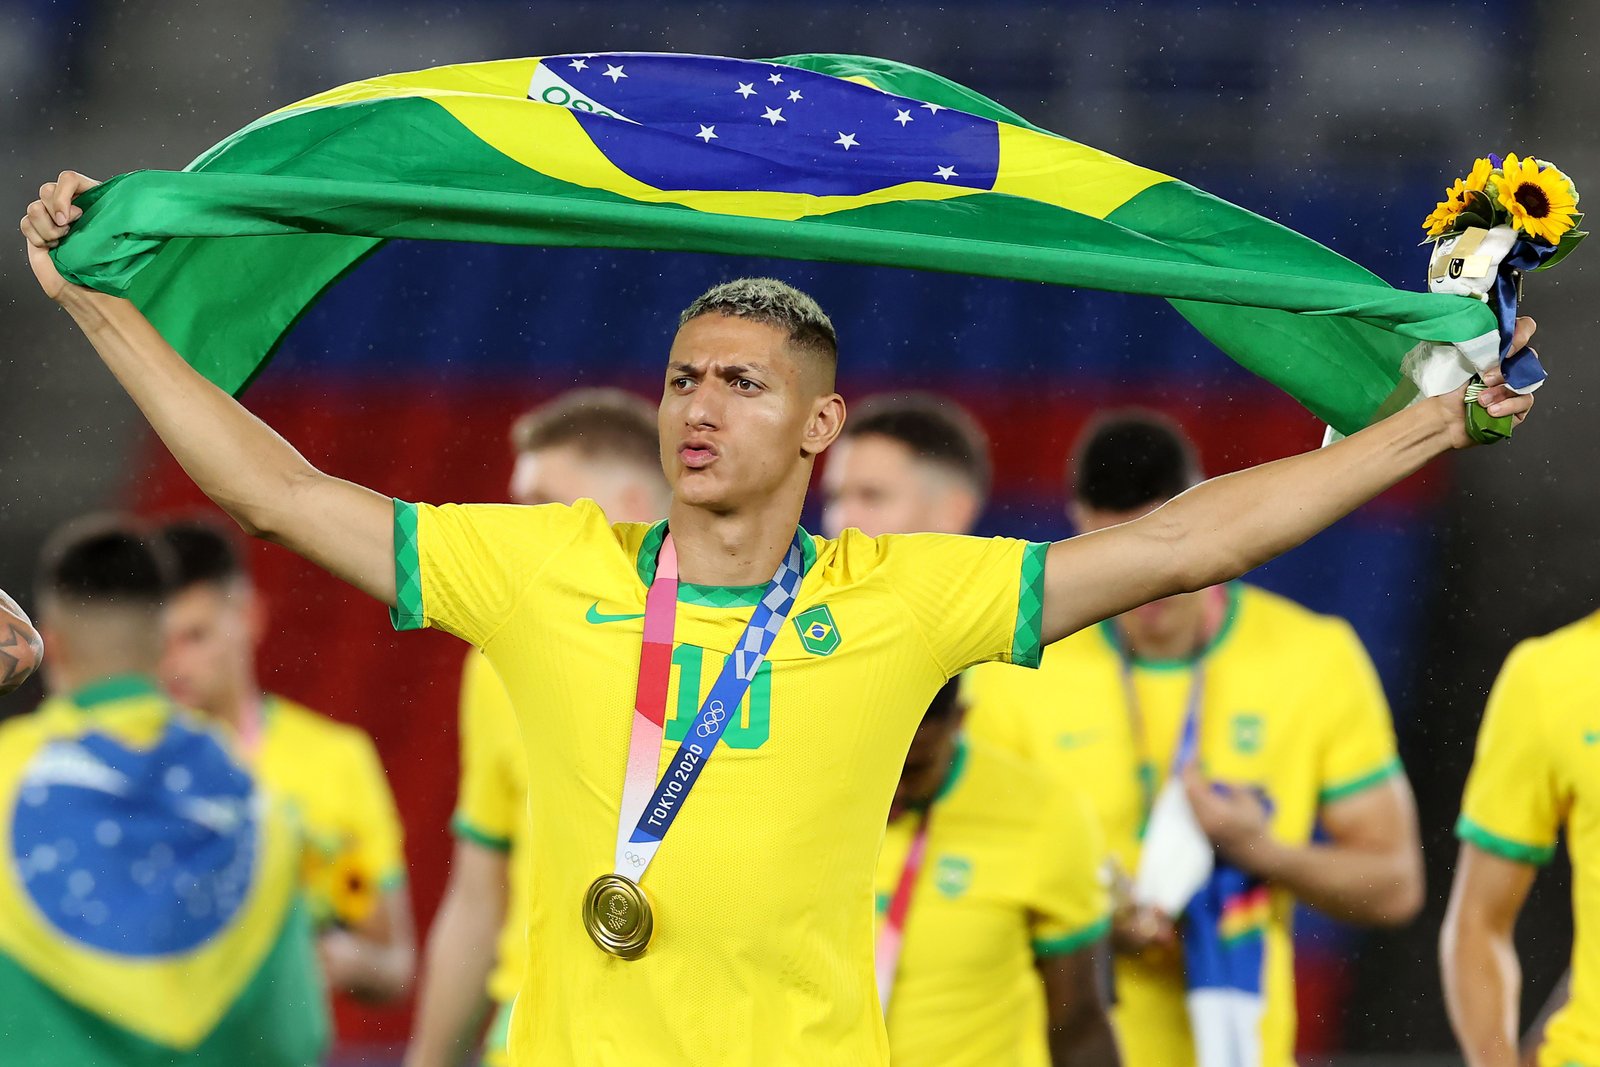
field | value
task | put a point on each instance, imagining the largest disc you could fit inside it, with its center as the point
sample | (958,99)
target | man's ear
(825,425)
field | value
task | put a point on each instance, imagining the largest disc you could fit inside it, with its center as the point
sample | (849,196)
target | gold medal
(617,915)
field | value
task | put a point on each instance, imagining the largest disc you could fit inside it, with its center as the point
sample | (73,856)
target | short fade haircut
(203,552)
(103,561)
(936,430)
(1132,459)
(946,702)
(600,423)
(775,303)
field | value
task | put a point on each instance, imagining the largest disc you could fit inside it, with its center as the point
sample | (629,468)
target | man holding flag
(824,655)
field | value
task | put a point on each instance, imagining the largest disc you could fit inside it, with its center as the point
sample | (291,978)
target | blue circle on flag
(137,853)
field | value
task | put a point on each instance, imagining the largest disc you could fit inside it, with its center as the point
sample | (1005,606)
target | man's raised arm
(237,460)
(1225,527)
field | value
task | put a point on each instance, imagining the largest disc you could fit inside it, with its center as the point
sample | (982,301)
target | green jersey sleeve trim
(1060,946)
(1504,847)
(1352,786)
(1026,649)
(465,831)
(407,611)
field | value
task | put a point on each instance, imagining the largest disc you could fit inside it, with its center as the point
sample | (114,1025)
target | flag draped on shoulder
(148,895)
(815,157)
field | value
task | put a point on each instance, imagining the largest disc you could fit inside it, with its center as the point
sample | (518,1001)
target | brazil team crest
(818,632)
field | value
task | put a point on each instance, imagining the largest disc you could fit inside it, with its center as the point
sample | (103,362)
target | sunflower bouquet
(1507,216)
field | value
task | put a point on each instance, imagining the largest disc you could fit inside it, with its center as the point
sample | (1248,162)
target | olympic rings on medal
(634,858)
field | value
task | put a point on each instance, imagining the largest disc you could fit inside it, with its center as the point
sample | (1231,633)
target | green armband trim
(1504,847)
(1026,649)
(1341,790)
(465,831)
(1060,946)
(407,611)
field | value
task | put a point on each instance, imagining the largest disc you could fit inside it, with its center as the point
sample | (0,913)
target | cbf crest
(818,632)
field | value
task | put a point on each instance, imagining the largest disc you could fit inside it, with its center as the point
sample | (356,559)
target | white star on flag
(902,117)
(774,115)
(746,90)
(935,108)
(775,79)
(707,134)
(946,173)
(848,140)
(614,73)
(795,95)
(579,64)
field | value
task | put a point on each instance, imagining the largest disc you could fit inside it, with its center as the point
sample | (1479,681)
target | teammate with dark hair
(149,914)
(1292,732)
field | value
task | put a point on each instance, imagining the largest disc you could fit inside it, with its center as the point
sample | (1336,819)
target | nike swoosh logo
(596,616)
(1078,740)
(1591,736)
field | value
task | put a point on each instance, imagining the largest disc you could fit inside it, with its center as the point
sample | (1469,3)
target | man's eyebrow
(682,368)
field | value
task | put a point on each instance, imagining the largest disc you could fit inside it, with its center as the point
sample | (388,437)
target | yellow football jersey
(1292,705)
(1537,748)
(492,806)
(762,892)
(1012,872)
(330,772)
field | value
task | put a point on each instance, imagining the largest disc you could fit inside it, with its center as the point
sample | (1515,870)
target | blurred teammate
(148,913)
(1535,774)
(1293,732)
(795,668)
(355,871)
(20,648)
(594,443)
(995,954)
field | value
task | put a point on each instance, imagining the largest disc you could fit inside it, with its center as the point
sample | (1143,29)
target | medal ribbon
(648,813)
(886,956)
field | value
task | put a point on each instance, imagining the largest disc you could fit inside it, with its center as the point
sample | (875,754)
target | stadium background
(1341,120)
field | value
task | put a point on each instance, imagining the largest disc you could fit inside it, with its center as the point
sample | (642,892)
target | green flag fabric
(818,157)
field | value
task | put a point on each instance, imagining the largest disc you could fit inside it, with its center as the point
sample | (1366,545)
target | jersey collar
(117,687)
(712,596)
(1108,630)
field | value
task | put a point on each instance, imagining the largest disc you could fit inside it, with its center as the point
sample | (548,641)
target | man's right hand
(47,222)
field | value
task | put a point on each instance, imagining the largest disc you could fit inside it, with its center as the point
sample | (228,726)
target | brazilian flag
(149,907)
(817,157)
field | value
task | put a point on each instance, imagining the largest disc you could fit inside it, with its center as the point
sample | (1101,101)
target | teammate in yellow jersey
(21,650)
(761,900)
(148,891)
(598,444)
(1534,776)
(355,874)
(1004,943)
(1287,706)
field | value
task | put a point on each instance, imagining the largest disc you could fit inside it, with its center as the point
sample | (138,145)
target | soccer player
(594,443)
(20,648)
(148,913)
(810,661)
(996,952)
(356,875)
(1533,777)
(1293,732)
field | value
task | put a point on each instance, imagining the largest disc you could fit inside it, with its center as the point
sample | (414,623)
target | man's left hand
(1236,820)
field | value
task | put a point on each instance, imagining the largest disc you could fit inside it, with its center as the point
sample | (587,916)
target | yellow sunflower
(1540,203)
(1478,179)
(1444,214)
